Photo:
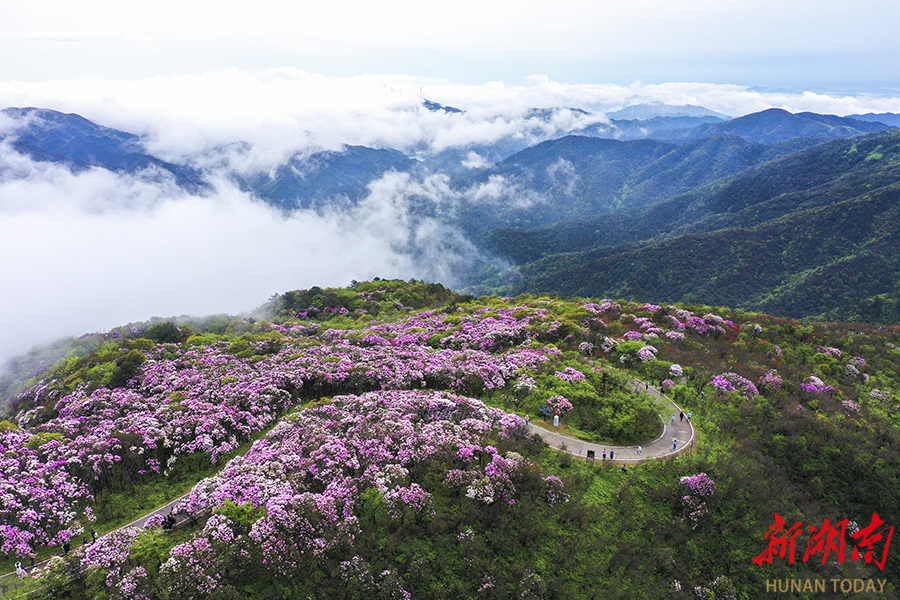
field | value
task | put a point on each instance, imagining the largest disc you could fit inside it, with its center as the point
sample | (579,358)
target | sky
(846,47)
(89,251)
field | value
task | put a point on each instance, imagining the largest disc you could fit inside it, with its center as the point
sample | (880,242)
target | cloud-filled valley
(87,249)
(90,251)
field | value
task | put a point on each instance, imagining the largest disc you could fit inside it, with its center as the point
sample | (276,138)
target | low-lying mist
(89,251)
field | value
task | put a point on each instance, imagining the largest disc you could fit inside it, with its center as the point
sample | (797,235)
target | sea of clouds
(84,252)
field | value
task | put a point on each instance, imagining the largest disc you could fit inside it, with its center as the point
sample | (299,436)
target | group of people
(22,572)
(640,449)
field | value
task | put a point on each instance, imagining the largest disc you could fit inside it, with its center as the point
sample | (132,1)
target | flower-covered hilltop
(371,441)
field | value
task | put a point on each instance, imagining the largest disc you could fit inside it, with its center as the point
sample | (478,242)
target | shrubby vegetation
(812,234)
(390,457)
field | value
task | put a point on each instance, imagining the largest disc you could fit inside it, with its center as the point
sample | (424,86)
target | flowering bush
(814,385)
(570,374)
(649,307)
(555,493)
(412,498)
(882,395)
(700,484)
(850,407)
(829,351)
(771,380)
(646,353)
(732,382)
(700,488)
(512,425)
(559,405)
(752,328)
(525,385)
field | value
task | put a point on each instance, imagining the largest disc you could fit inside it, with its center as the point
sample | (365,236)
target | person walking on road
(639,450)
(674,444)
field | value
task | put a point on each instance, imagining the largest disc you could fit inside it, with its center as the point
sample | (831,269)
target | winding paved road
(662,447)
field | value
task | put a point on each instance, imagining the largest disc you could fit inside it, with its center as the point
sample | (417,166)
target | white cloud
(474,160)
(94,250)
(281,111)
(500,190)
(87,252)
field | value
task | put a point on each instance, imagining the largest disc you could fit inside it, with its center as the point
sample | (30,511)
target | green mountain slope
(581,177)
(803,264)
(369,442)
(792,225)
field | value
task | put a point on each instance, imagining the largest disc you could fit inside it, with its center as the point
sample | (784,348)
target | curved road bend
(660,448)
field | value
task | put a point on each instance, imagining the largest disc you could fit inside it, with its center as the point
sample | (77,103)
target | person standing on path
(681,416)
(673,419)
(674,444)
(611,454)
(604,454)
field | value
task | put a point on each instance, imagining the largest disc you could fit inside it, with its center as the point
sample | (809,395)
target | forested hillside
(370,442)
(808,233)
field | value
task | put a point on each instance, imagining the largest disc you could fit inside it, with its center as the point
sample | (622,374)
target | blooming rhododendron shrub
(700,487)
(771,381)
(570,374)
(39,498)
(309,473)
(559,405)
(814,385)
(732,382)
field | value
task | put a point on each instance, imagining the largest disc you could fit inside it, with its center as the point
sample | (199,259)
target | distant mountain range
(51,136)
(325,178)
(804,234)
(794,214)
(777,125)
